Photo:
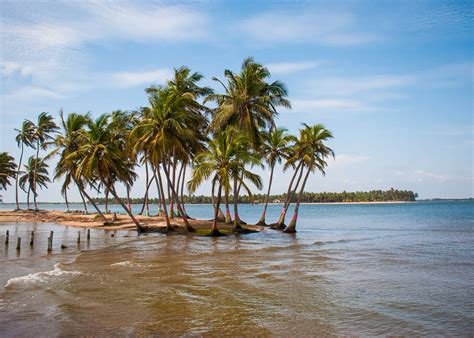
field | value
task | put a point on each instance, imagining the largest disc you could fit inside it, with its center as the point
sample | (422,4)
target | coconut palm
(100,159)
(222,162)
(25,136)
(43,130)
(65,144)
(249,103)
(275,147)
(313,153)
(35,175)
(7,169)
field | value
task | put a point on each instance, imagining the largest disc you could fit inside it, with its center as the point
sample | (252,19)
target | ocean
(365,269)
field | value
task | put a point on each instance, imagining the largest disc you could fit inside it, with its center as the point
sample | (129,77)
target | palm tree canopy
(28,177)
(7,169)
(312,149)
(249,102)
(44,128)
(25,135)
(276,145)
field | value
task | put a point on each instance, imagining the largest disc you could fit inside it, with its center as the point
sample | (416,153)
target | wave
(338,241)
(130,264)
(41,277)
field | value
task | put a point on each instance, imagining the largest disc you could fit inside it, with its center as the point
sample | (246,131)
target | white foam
(41,277)
(130,264)
(125,263)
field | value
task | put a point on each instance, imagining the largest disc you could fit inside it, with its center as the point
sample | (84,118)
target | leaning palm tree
(313,154)
(43,130)
(35,175)
(65,144)
(7,169)
(25,136)
(249,102)
(275,147)
(101,159)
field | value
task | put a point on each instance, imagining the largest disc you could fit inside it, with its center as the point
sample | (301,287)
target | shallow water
(391,269)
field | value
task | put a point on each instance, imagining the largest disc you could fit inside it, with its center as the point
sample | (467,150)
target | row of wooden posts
(50,239)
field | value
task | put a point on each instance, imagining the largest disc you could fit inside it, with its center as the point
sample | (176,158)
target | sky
(393,80)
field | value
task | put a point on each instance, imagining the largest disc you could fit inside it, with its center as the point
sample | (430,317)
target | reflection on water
(398,270)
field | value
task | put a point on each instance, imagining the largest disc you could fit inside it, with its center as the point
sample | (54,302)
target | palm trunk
(34,175)
(178,204)
(220,214)
(106,200)
(289,195)
(170,198)
(65,198)
(183,182)
(28,198)
(145,198)
(83,200)
(292,226)
(237,225)
(101,215)
(214,230)
(228,219)
(134,220)
(264,212)
(161,193)
(129,204)
(18,176)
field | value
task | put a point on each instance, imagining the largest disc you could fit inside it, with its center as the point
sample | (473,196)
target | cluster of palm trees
(222,137)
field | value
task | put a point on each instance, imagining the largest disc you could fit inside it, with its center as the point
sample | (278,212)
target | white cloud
(348,159)
(315,26)
(290,67)
(327,104)
(131,79)
(30,93)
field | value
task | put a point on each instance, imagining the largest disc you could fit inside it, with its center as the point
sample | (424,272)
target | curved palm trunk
(292,226)
(129,204)
(34,175)
(18,176)
(170,195)
(178,186)
(65,198)
(214,230)
(28,198)
(220,214)
(129,212)
(101,215)
(145,198)
(182,189)
(161,193)
(83,200)
(264,212)
(289,196)
(178,204)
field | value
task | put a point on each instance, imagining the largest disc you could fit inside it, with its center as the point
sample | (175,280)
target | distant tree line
(308,197)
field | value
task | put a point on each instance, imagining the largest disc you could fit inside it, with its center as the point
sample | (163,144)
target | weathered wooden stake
(78,237)
(18,243)
(7,236)
(50,244)
(51,233)
(88,234)
(32,238)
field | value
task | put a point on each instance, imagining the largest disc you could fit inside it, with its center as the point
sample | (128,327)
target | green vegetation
(221,136)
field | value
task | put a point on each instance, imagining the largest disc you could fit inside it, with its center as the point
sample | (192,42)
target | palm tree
(313,153)
(35,175)
(65,144)
(7,169)
(275,147)
(25,136)
(249,102)
(101,159)
(225,161)
(43,129)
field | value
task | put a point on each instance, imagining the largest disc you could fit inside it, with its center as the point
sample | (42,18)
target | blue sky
(393,80)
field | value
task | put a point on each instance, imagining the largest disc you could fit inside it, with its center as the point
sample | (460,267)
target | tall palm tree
(313,154)
(249,102)
(35,175)
(25,136)
(100,159)
(43,130)
(65,144)
(275,147)
(7,169)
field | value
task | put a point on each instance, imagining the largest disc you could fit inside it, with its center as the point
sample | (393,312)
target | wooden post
(18,243)
(50,244)
(7,236)
(78,237)
(51,233)
(32,238)
(88,234)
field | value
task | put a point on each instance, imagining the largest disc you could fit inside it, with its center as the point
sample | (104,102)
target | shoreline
(122,222)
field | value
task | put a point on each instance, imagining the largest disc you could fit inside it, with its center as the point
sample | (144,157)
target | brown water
(372,280)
